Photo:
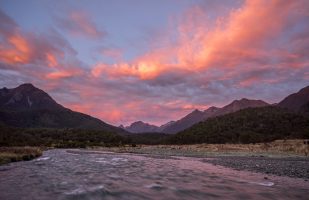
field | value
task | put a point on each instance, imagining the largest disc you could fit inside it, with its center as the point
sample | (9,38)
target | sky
(155,61)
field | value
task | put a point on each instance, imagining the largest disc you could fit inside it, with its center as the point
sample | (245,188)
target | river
(81,174)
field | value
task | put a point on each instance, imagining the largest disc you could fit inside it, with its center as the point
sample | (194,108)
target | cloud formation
(244,36)
(79,23)
(208,55)
(246,48)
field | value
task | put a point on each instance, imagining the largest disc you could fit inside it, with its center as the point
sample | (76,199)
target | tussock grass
(14,154)
(277,147)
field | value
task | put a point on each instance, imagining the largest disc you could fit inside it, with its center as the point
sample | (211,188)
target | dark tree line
(68,138)
(250,125)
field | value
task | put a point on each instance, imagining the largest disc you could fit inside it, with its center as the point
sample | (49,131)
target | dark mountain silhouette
(262,123)
(298,102)
(166,125)
(29,107)
(198,116)
(26,97)
(185,122)
(141,127)
(237,105)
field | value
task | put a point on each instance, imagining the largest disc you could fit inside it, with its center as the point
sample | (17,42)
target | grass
(14,154)
(276,148)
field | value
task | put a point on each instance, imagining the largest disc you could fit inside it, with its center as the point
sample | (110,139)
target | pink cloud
(51,60)
(258,50)
(33,54)
(239,49)
(17,50)
(79,23)
(240,37)
(62,74)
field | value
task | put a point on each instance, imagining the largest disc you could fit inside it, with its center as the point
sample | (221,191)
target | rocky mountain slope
(29,107)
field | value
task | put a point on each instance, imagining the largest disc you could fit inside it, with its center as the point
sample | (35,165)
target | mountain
(239,105)
(165,126)
(26,97)
(250,125)
(141,127)
(185,122)
(29,107)
(298,102)
(211,111)
(197,116)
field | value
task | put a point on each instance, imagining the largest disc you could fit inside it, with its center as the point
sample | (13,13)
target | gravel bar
(291,167)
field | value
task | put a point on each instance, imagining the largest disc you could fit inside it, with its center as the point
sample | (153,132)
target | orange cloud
(237,38)
(51,60)
(61,74)
(208,61)
(143,70)
(18,52)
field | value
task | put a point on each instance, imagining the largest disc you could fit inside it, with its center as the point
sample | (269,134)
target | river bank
(14,154)
(282,157)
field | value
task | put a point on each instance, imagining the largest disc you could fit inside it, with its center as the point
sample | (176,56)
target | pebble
(288,166)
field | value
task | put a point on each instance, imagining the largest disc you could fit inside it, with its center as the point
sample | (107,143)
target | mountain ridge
(195,116)
(296,101)
(29,107)
(141,127)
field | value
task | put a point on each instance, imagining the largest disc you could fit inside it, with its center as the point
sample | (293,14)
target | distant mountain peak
(241,104)
(27,85)
(211,109)
(248,101)
(198,116)
(195,111)
(138,122)
(297,101)
(244,99)
(141,127)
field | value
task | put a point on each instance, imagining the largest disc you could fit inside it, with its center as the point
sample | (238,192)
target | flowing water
(80,174)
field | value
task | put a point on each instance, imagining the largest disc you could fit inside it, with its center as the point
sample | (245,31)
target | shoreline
(281,158)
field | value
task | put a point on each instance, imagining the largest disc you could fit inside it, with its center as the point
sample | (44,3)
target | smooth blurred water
(80,174)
